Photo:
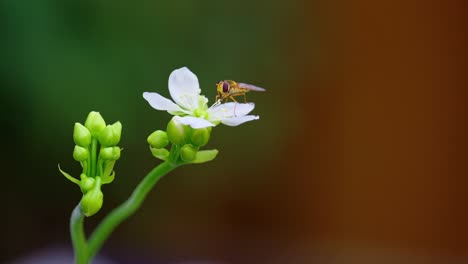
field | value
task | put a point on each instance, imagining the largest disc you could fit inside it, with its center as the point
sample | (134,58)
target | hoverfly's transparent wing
(251,87)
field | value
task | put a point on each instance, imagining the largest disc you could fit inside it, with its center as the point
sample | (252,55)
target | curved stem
(78,235)
(119,214)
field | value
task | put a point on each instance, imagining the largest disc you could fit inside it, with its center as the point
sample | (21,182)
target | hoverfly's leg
(218,102)
(235,104)
(245,98)
(232,98)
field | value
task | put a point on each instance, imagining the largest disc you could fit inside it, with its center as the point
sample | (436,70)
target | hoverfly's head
(222,87)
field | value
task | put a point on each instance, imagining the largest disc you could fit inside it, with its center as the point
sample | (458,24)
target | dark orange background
(384,161)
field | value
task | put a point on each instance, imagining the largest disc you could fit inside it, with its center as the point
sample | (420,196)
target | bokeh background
(360,155)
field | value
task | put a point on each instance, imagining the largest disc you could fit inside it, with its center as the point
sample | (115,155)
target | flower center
(200,113)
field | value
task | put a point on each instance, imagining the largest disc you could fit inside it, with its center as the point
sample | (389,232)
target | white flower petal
(195,122)
(237,120)
(184,88)
(159,102)
(227,110)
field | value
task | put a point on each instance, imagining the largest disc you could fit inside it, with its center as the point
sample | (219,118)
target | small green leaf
(161,154)
(108,168)
(205,156)
(108,179)
(68,176)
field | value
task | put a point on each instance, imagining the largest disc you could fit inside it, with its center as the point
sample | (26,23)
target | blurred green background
(63,59)
(357,155)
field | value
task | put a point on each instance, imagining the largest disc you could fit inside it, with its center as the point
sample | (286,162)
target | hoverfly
(228,89)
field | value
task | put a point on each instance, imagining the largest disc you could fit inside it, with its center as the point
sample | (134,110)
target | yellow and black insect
(228,89)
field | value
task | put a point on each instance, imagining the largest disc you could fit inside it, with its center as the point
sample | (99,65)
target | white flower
(193,107)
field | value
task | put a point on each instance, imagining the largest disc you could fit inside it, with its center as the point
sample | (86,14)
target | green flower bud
(110,153)
(80,153)
(188,152)
(95,123)
(177,132)
(158,139)
(81,135)
(160,153)
(110,136)
(200,137)
(92,201)
(86,183)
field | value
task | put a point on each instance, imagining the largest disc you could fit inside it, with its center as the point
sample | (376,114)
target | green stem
(93,164)
(119,214)
(78,235)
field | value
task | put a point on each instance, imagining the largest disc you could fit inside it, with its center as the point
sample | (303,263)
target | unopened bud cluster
(185,143)
(97,151)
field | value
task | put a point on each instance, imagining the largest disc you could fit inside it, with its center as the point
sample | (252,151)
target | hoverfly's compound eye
(225,87)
